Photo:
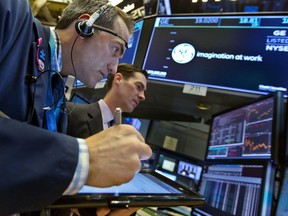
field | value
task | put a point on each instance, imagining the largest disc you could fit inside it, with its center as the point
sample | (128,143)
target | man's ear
(81,27)
(117,78)
(84,16)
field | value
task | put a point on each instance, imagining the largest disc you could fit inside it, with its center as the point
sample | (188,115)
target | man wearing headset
(40,165)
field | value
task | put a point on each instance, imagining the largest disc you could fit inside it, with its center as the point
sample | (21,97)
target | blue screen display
(246,53)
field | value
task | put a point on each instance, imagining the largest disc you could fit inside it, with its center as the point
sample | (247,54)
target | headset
(85,28)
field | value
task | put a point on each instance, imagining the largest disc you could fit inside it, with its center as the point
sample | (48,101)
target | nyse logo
(278,42)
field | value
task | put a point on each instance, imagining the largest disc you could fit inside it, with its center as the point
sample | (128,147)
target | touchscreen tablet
(147,188)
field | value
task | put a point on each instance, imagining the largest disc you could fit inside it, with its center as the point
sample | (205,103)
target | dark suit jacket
(36,165)
(84,120)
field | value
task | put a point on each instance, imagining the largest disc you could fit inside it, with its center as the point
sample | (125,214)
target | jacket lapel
(95,122)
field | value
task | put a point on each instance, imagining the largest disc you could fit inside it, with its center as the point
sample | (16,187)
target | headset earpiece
(85,27)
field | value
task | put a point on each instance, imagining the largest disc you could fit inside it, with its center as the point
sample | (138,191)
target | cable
(75,74)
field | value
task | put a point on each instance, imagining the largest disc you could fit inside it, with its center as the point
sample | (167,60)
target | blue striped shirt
(82,168)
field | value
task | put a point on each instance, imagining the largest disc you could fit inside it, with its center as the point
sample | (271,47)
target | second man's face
(133,91)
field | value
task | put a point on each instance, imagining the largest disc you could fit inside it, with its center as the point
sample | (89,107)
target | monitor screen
(166,163)
(189,170)
(130,53)
(79,100)
(245,52)
(236,189)
(250,131)
(135,122)
(186,170)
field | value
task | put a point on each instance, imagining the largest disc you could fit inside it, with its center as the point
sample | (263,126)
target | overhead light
(115,2)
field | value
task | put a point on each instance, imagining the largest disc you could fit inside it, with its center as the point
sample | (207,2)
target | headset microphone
(85,27)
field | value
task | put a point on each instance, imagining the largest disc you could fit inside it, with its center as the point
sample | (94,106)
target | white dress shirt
(107,115)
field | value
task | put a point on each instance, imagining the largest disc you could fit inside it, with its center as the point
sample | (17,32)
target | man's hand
(114,155)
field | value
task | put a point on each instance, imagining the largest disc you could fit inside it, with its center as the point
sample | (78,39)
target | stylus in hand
(118,116)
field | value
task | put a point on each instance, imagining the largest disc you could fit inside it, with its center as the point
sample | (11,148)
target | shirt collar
(106,113)
(56,51)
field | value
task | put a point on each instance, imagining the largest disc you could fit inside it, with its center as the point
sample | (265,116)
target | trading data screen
(243,133)
(234,190)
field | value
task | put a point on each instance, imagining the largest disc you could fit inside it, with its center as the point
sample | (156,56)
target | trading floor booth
(201,57)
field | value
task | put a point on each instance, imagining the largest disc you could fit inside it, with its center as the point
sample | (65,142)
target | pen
(118,116)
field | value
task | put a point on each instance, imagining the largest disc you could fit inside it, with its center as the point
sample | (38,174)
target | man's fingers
(144,151)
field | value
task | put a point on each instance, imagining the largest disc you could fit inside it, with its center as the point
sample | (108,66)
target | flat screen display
(246,53)
(182,169)
(189,170)
(247,132)
(135,122)
(147,188)
(130,53)
(166,163)
(236,189)
(141,183)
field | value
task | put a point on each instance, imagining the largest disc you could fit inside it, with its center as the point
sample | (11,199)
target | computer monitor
(135,122)
(186,170)
(79,100)
(236,189)
(237,52)
(166,163)
(130,53)
(252,131)
(189,170)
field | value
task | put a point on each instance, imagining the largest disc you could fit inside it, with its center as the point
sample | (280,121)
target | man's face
(99,55)
(132,91)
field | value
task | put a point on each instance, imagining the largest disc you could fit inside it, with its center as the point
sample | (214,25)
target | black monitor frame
(178,157)
(277,133)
